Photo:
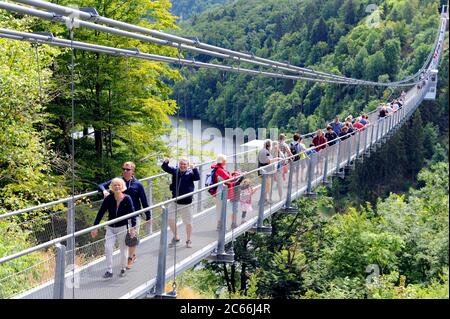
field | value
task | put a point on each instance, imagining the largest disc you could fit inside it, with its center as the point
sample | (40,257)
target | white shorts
(185,211)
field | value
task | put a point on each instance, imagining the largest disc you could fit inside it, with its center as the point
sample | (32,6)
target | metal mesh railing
(283,181)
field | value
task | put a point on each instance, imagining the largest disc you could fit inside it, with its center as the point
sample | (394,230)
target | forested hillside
(186,9)
(396,249)
(330,35)
(121,112)
(121,105)
(358,239)
(390,214)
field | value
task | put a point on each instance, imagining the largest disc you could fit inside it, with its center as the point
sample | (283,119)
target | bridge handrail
(161,204)
(149,178)
(444,15)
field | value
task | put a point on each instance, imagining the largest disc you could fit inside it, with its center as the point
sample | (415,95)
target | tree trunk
(98,136)
(227,278)
(243,278)
(98,114)
(110,149)
(273,234)
(233,278)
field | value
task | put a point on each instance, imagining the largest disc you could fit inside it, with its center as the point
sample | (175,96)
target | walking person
(265,159)
(382,113)
(278,167)
(364,119)
(286,150)
(319,141)
(330,135)
(221,174)
(236,198)
(298,149)
(246,199)
(336,125)
(117,204)
(183,178)
(135,190)
(344,133)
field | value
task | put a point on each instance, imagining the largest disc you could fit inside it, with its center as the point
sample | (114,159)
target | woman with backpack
(220,173)
(298,149)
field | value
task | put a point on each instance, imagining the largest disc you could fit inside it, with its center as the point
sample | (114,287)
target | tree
(319,31)
(349,10)
(413,141)
(391,52)
(125,100)
(27,175)
(375,66)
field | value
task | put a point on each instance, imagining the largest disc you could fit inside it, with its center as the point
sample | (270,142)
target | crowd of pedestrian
(124,195)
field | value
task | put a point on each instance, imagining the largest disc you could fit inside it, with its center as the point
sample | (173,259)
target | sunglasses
(126,169)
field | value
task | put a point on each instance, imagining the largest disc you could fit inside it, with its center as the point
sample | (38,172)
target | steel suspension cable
(40,93)
(177,186)
(171,39)
(72,92)
(23,36)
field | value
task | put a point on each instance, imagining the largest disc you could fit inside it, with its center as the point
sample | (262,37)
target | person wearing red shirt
(319,141)
(221,174)
(358,125)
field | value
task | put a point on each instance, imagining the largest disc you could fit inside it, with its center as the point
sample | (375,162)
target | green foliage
(387,288)
(21,273)
(310,255)
(124,101)
(310,35)
(186,9)
(27,175)
(356,241)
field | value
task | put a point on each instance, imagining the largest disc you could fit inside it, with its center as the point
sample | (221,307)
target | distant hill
(187,8)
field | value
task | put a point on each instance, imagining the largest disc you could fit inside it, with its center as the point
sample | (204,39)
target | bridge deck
(142,276)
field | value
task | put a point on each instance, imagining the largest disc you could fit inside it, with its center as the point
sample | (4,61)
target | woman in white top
(265,160)
(277,168)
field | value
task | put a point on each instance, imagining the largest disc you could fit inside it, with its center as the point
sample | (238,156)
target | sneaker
(174,242)
(107,275)
(233,225)
(122,273)
(243,221)
(188,244)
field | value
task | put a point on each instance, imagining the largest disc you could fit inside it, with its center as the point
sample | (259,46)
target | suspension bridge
(66,245)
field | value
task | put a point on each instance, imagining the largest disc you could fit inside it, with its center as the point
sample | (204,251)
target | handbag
(131,241)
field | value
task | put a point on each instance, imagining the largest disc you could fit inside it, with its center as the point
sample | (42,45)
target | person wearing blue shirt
(336,125)
(183,178)
(135,190)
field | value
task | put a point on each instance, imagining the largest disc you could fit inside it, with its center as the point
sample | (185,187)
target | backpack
(294,150)
(210,178)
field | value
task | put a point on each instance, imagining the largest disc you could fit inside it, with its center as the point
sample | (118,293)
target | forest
(391,212)
(185,9)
